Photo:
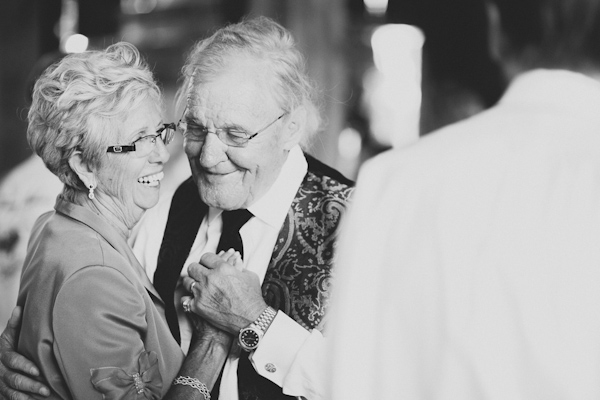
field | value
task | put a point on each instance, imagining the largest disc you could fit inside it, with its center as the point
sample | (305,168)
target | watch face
(249,338)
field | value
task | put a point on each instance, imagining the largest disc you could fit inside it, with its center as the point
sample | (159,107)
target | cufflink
(270,367)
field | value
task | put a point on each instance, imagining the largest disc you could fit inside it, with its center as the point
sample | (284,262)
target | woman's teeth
(151,180)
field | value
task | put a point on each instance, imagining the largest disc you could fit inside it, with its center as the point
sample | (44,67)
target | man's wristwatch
(250,336)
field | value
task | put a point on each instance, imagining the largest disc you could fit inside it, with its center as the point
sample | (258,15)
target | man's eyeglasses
(234,137)
(146,144)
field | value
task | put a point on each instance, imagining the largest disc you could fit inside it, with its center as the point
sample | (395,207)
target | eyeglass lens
(144,145)
(231,137)
(167,131)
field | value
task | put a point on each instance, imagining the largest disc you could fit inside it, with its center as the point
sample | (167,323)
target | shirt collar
(554,89)
(274,205)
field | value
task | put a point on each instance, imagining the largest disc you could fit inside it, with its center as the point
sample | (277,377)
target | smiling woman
(92,321)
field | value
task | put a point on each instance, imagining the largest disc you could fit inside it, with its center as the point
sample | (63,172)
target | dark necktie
(230,239)
(230,235)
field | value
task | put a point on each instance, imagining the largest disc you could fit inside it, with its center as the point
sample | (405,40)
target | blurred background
(389,71)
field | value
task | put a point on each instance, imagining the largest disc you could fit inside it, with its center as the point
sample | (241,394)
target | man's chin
(228,195)
(220,200)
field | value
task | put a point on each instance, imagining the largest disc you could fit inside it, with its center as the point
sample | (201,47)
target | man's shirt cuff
(278,348)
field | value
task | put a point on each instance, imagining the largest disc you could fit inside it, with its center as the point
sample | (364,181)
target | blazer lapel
(99,225)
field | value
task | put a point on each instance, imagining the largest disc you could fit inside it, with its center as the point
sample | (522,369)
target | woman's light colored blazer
(92,320)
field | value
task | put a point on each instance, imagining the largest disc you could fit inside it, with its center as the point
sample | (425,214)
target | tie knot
(233,220)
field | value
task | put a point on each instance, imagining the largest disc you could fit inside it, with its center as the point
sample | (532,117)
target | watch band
(264,319)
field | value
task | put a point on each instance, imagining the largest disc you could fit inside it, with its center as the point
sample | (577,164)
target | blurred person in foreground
(249,107)
(92,321)
(475,251)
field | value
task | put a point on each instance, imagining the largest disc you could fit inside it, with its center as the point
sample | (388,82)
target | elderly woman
(92,321)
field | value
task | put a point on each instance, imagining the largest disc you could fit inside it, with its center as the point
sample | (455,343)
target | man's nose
(213,151)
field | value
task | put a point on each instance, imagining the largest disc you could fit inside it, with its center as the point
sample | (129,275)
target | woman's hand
(205,331)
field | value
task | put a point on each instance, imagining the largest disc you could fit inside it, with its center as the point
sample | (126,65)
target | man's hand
(228,298)
(13,385)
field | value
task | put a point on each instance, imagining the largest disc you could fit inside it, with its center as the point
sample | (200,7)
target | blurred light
(376,7)
(138,6)
(68,23)
(394,88)
(76,43)
(397,46)
(349,143)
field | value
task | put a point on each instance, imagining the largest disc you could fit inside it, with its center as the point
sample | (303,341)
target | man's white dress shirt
(471,260)
(286,345)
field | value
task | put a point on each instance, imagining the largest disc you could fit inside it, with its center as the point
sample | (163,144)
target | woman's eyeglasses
(146,144)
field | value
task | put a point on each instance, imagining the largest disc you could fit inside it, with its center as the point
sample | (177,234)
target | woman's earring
(91,193)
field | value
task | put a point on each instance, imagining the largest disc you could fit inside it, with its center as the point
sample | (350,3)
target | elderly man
(248,108)
(483,250)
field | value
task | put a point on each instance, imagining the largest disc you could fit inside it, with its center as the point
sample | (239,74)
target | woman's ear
(83,171)
(295,126)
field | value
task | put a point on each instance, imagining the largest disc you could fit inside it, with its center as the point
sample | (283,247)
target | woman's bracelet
(193,382)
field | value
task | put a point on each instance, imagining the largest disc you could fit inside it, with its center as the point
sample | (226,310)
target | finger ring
(186,305)
(192,287)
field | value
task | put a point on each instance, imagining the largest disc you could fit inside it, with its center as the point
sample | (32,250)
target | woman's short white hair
(262,39)
(79,104)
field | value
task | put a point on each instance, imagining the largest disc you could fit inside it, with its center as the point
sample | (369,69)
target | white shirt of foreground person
(286,345)
(471,260)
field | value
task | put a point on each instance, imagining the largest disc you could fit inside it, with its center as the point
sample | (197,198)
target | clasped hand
(224,294)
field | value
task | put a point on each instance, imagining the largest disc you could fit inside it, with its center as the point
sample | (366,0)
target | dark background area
(458,76)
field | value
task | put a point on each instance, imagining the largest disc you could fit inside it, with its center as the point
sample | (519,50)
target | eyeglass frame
(216,131)
(162,132)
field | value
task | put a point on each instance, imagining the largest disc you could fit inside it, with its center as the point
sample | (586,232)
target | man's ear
(294,128)
(82,170)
